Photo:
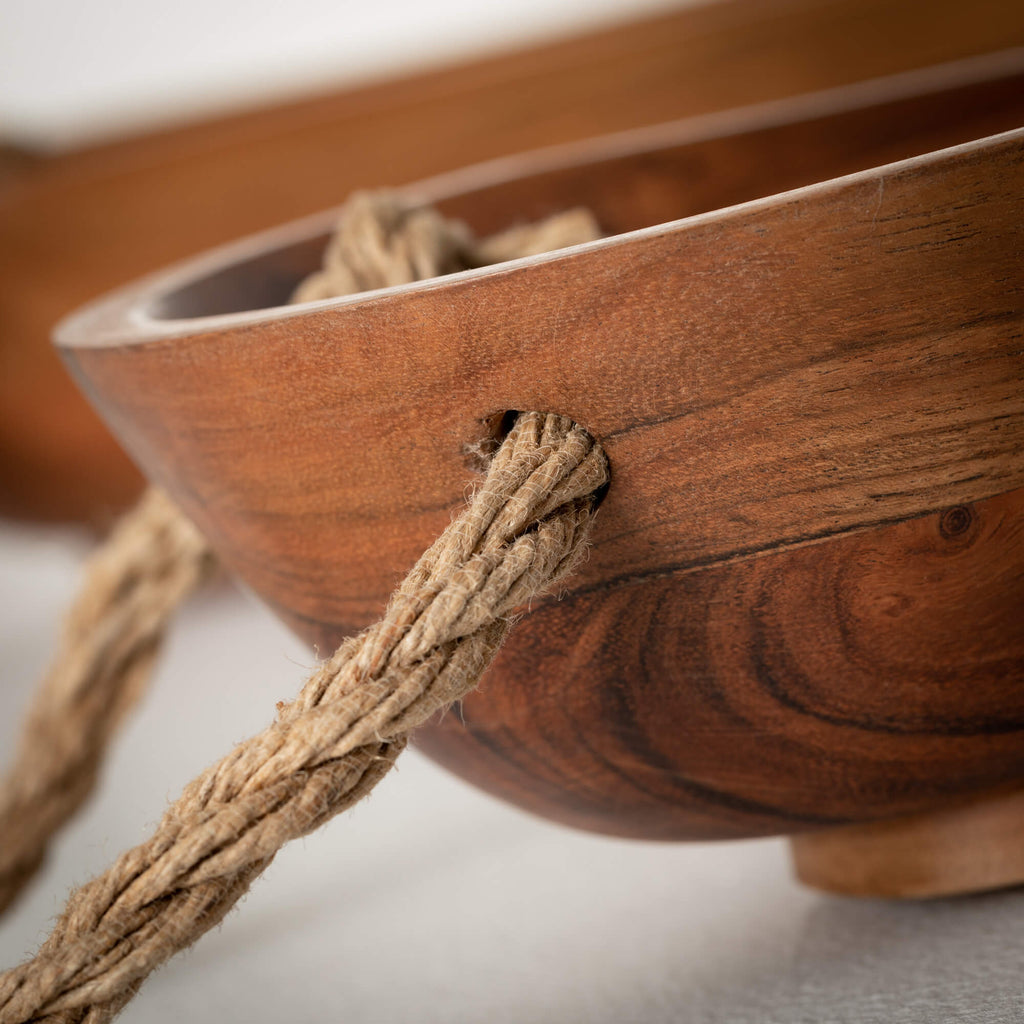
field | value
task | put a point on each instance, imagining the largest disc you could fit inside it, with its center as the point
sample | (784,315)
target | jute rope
(112,635)
(523,531)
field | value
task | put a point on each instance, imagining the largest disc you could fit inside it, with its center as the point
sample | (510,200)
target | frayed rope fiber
(523,531)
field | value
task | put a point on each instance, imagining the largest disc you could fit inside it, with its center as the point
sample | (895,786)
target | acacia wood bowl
(801,348)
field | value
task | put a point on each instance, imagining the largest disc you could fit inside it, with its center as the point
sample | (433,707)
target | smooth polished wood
(974,847)
(803,603)
(83,222)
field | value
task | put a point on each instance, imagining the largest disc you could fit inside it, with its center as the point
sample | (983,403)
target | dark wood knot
(956,521)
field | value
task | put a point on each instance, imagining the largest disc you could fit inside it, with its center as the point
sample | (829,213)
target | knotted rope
(522,533)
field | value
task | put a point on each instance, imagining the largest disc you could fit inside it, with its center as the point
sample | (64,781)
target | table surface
(433,902)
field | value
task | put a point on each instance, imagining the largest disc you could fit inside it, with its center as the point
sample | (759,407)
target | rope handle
(521,534)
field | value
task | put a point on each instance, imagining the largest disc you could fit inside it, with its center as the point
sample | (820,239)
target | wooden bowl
(801,348)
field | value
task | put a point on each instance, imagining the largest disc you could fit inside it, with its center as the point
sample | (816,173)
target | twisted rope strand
(522,533)
(155,558)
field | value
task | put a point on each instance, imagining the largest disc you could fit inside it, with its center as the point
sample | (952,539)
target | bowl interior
(652,176)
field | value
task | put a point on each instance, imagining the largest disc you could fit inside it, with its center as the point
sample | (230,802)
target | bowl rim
(129,315)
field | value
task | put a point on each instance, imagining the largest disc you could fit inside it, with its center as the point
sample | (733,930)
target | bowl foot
(969,848)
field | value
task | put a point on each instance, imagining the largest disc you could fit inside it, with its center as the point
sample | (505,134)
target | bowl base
(964,849)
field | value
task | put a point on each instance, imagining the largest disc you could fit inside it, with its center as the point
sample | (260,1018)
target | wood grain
(872,676)
(83,222)
(803,604)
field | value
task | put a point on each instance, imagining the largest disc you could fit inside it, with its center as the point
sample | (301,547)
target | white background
(75,71)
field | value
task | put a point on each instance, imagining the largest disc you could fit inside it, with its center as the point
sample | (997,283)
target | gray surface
(432,902)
